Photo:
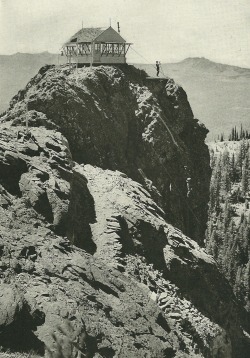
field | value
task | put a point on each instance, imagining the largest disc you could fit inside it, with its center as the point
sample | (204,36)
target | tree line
(235,134)
(228,231)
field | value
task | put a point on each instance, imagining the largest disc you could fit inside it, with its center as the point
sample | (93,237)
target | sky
(164,30)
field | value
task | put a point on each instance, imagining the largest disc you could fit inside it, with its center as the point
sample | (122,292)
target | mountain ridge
(208,62)
(89,259)
(217,92)
(128,155)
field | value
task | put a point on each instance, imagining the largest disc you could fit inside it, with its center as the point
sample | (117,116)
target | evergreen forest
(228,231)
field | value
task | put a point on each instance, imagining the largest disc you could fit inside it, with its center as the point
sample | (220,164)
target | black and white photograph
(124,178)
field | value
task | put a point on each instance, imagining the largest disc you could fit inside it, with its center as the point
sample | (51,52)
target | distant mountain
(16,70)
(203,64)
(218,93)
(89,260)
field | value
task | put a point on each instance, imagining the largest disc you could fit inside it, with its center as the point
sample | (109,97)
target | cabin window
(117,48)
(97,47)
(109,48)
(84,49)
(71,51)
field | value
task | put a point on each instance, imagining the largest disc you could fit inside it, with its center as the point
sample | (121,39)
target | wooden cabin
(94,46)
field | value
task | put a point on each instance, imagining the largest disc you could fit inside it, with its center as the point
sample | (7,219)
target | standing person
(157,68)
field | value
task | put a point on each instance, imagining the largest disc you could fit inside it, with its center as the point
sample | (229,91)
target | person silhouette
(157,68)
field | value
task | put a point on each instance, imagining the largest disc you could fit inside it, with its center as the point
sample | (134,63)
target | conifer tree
(244,179)
(228,233)
(236,134)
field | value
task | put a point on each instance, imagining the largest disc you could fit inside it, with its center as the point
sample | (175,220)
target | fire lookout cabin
(96,46)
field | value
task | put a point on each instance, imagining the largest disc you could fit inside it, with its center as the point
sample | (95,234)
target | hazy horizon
(165,30)
(136,62)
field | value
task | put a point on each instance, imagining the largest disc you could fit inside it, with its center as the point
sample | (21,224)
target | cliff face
(89,263)
(116,119)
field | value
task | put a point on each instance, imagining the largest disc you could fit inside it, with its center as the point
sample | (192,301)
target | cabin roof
(89,34)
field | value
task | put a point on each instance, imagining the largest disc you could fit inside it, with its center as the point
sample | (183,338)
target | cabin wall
(98,59)
(79,59)
(113,59)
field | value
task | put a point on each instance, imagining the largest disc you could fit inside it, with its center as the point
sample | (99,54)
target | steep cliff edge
(117,119)
(89,263)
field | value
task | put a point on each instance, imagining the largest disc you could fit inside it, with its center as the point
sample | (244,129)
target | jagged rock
(11,304)
(140,229)
(16,315)
(105,300)
(154,140)
(99,268)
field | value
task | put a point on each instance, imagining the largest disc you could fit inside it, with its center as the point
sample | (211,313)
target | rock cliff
(117,119)
(89,261)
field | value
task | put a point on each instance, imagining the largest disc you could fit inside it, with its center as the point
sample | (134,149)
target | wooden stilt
(92,54)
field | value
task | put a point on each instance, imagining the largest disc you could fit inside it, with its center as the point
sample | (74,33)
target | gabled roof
(87,34)
(98,34)
(110,35)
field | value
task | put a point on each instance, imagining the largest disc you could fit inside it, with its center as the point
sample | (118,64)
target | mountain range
(16,70)
(218,93)
(103,211)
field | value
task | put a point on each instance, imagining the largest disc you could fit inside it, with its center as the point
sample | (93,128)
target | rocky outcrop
(117,119)
(55,296)
(89,263)
(130,224)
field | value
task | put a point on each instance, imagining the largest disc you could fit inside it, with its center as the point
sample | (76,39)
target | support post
(103,49)
(77,50)
(127,49)
(92,54)
(120,50)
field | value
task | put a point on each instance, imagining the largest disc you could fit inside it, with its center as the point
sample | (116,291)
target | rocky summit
(103,209)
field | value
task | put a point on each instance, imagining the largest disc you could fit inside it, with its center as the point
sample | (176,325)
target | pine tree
(244,179)
(228,233)
(241,132)
(227,214)
(232,169)
(236,134)
(232,134)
